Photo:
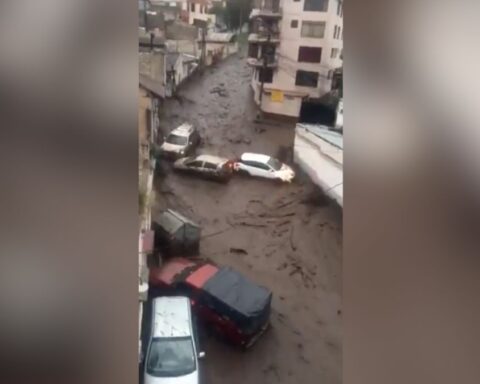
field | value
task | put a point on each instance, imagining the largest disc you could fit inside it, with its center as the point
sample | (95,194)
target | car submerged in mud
(180,142)
(206,166)
(258,165)
(235,308)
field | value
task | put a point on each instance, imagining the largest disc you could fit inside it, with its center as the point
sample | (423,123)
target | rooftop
(324,133)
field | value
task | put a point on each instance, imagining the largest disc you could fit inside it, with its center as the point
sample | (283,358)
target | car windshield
(175,139)
(274,163)
(171,357)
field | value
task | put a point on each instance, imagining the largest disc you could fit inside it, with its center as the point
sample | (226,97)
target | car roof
(172,317)
(238,292)
(211,159)
(169,269)
(247,156)
(183,130)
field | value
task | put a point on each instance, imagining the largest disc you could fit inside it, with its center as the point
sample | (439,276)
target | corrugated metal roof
(325,133)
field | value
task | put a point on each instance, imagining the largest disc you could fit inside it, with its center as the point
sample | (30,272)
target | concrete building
(219,45)
(301,43)
(149,101)
(199,10)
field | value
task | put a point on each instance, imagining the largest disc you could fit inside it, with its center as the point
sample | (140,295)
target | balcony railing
(272,62)
(263,37)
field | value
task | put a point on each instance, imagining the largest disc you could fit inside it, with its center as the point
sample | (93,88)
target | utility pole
(262,73)
(145,18)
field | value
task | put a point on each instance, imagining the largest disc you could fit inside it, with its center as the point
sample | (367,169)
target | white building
(302,43)
(200,10)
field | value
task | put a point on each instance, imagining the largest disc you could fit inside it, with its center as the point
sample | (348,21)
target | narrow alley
(280,236)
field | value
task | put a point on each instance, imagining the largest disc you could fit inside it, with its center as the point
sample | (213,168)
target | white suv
(255,164)
(180,142)
(172,355)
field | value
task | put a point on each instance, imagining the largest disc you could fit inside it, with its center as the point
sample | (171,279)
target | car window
(195,164)
(274,163)
(176,140)
(210,166)
(171,357)
(259,165)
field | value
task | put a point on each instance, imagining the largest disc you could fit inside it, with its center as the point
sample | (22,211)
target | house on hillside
(219,45)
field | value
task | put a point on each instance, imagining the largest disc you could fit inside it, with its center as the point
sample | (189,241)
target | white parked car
(172,355)
(264,166)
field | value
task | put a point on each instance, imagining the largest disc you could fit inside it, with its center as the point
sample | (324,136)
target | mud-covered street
(277,235)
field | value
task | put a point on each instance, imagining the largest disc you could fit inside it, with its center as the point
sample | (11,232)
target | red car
(236,308)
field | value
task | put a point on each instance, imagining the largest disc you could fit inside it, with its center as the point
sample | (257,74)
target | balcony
(258,62)
(266,13)
(263,37)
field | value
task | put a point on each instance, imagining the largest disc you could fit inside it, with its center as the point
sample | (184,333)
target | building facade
(294,48)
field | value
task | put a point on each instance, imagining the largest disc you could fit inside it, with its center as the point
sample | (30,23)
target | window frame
(312,9)
(310,49)
(310,24)
(292,22)
(300,71)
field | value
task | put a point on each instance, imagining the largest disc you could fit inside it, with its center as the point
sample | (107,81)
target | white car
(172,356)
(265,166)
(181,142)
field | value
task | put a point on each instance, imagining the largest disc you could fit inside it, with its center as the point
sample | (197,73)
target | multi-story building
(200,10)
(294,47)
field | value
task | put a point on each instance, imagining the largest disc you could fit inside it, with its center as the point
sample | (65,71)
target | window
(176,140)
(171,357)
(265,75)
(195,164)
(210,166)
(313,29)
(192,7)
(306,79)
(294,24)
(259,165)
(309,54)
(339,7)
(253,50)
(339,32)
(335,32)
(316,5)
(274,163)
(334,53)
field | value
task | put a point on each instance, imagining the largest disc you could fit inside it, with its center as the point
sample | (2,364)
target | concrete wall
(152,64)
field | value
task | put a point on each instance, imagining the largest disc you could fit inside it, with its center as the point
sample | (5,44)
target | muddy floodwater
(280,236)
